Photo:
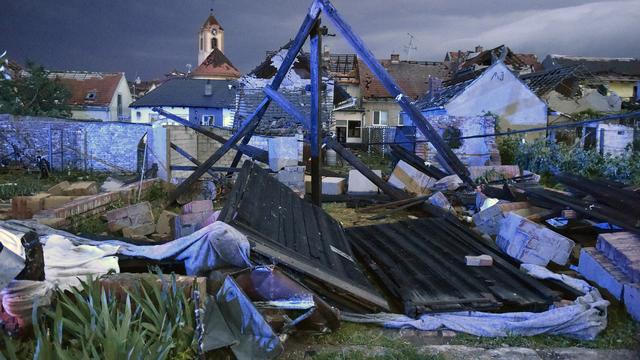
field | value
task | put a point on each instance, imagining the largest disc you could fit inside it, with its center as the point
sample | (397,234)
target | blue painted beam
(251,123)
(187,156)
(387,81)
(315,118)
(298,42)
(287,106)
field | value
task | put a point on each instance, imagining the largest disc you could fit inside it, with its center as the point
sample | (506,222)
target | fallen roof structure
(311,29)
(300,236)
(422,264)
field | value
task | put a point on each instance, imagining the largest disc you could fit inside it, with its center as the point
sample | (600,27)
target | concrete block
(408,178)
(24,207)
(166,223)
(359,184)
(451,183)
(532,243)
(81,188)
(55,202)
(58,189)
(632,300)
(138,230)
(438,199)
(333,185)
(293,177)
(119,224)
(283,151)
(139,213)
(597,268)
(480,260)
(198,206)
(488,220)
(623,249)
(194,218)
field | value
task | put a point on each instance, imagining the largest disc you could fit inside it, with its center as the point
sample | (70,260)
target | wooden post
(315,124)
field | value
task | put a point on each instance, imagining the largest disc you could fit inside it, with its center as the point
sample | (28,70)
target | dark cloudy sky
(150,37)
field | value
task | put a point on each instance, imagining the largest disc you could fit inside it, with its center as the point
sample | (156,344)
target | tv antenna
(409,47)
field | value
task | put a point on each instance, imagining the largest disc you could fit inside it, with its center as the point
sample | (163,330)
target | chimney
(435,87)
(479,48)
(208,88)
(395,58)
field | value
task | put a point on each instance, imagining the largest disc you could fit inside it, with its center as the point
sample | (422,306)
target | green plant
(152,322)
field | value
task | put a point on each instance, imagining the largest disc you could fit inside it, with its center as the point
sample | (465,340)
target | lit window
(208,120)
(380,117)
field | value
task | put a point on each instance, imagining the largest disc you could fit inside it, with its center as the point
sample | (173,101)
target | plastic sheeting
(584,319)
(213,247)
(66,264)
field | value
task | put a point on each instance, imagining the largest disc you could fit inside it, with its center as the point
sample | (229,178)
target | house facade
(618,75)
(496,91)
(204,102)
(96,96)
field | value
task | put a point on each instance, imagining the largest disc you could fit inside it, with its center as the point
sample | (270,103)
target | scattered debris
(480,260)
(532,243)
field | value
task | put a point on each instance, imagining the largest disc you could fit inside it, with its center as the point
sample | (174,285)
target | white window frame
(380,121)
(208,120)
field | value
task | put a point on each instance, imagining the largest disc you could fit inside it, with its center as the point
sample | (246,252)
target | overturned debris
(300,236)
(421,263)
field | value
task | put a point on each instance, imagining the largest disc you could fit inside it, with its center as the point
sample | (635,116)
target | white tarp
(584,319)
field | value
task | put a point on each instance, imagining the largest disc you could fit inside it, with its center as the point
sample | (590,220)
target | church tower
(211,36)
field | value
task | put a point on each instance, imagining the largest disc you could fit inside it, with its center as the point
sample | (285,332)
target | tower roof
(211,22)
(216,65)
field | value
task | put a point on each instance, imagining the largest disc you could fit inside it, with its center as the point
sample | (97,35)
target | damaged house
(294,88)
(608,76)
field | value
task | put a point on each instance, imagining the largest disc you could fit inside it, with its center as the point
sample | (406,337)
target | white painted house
(495,91)
(96,95)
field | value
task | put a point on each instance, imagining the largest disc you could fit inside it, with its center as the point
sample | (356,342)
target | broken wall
(75,144)
(472,152)
(613,138)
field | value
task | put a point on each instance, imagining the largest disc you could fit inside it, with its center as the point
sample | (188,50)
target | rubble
(359,184)
(532,243)
(410,179)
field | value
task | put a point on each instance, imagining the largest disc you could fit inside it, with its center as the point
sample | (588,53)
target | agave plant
(153,322)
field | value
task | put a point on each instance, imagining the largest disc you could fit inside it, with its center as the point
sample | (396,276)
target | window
(214,43)
(138,115)
(354,129)
(400,121)
(91,95)
(208,120)
(380,117)
(201,43)
(228,118)
(119,106)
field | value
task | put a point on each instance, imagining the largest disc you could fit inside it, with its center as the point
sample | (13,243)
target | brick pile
(614,264)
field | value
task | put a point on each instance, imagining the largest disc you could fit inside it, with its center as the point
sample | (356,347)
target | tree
(34,94)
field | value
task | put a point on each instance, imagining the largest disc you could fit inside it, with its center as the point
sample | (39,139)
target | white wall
(127,99)
(616,138)
(498,91)
(146,114)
